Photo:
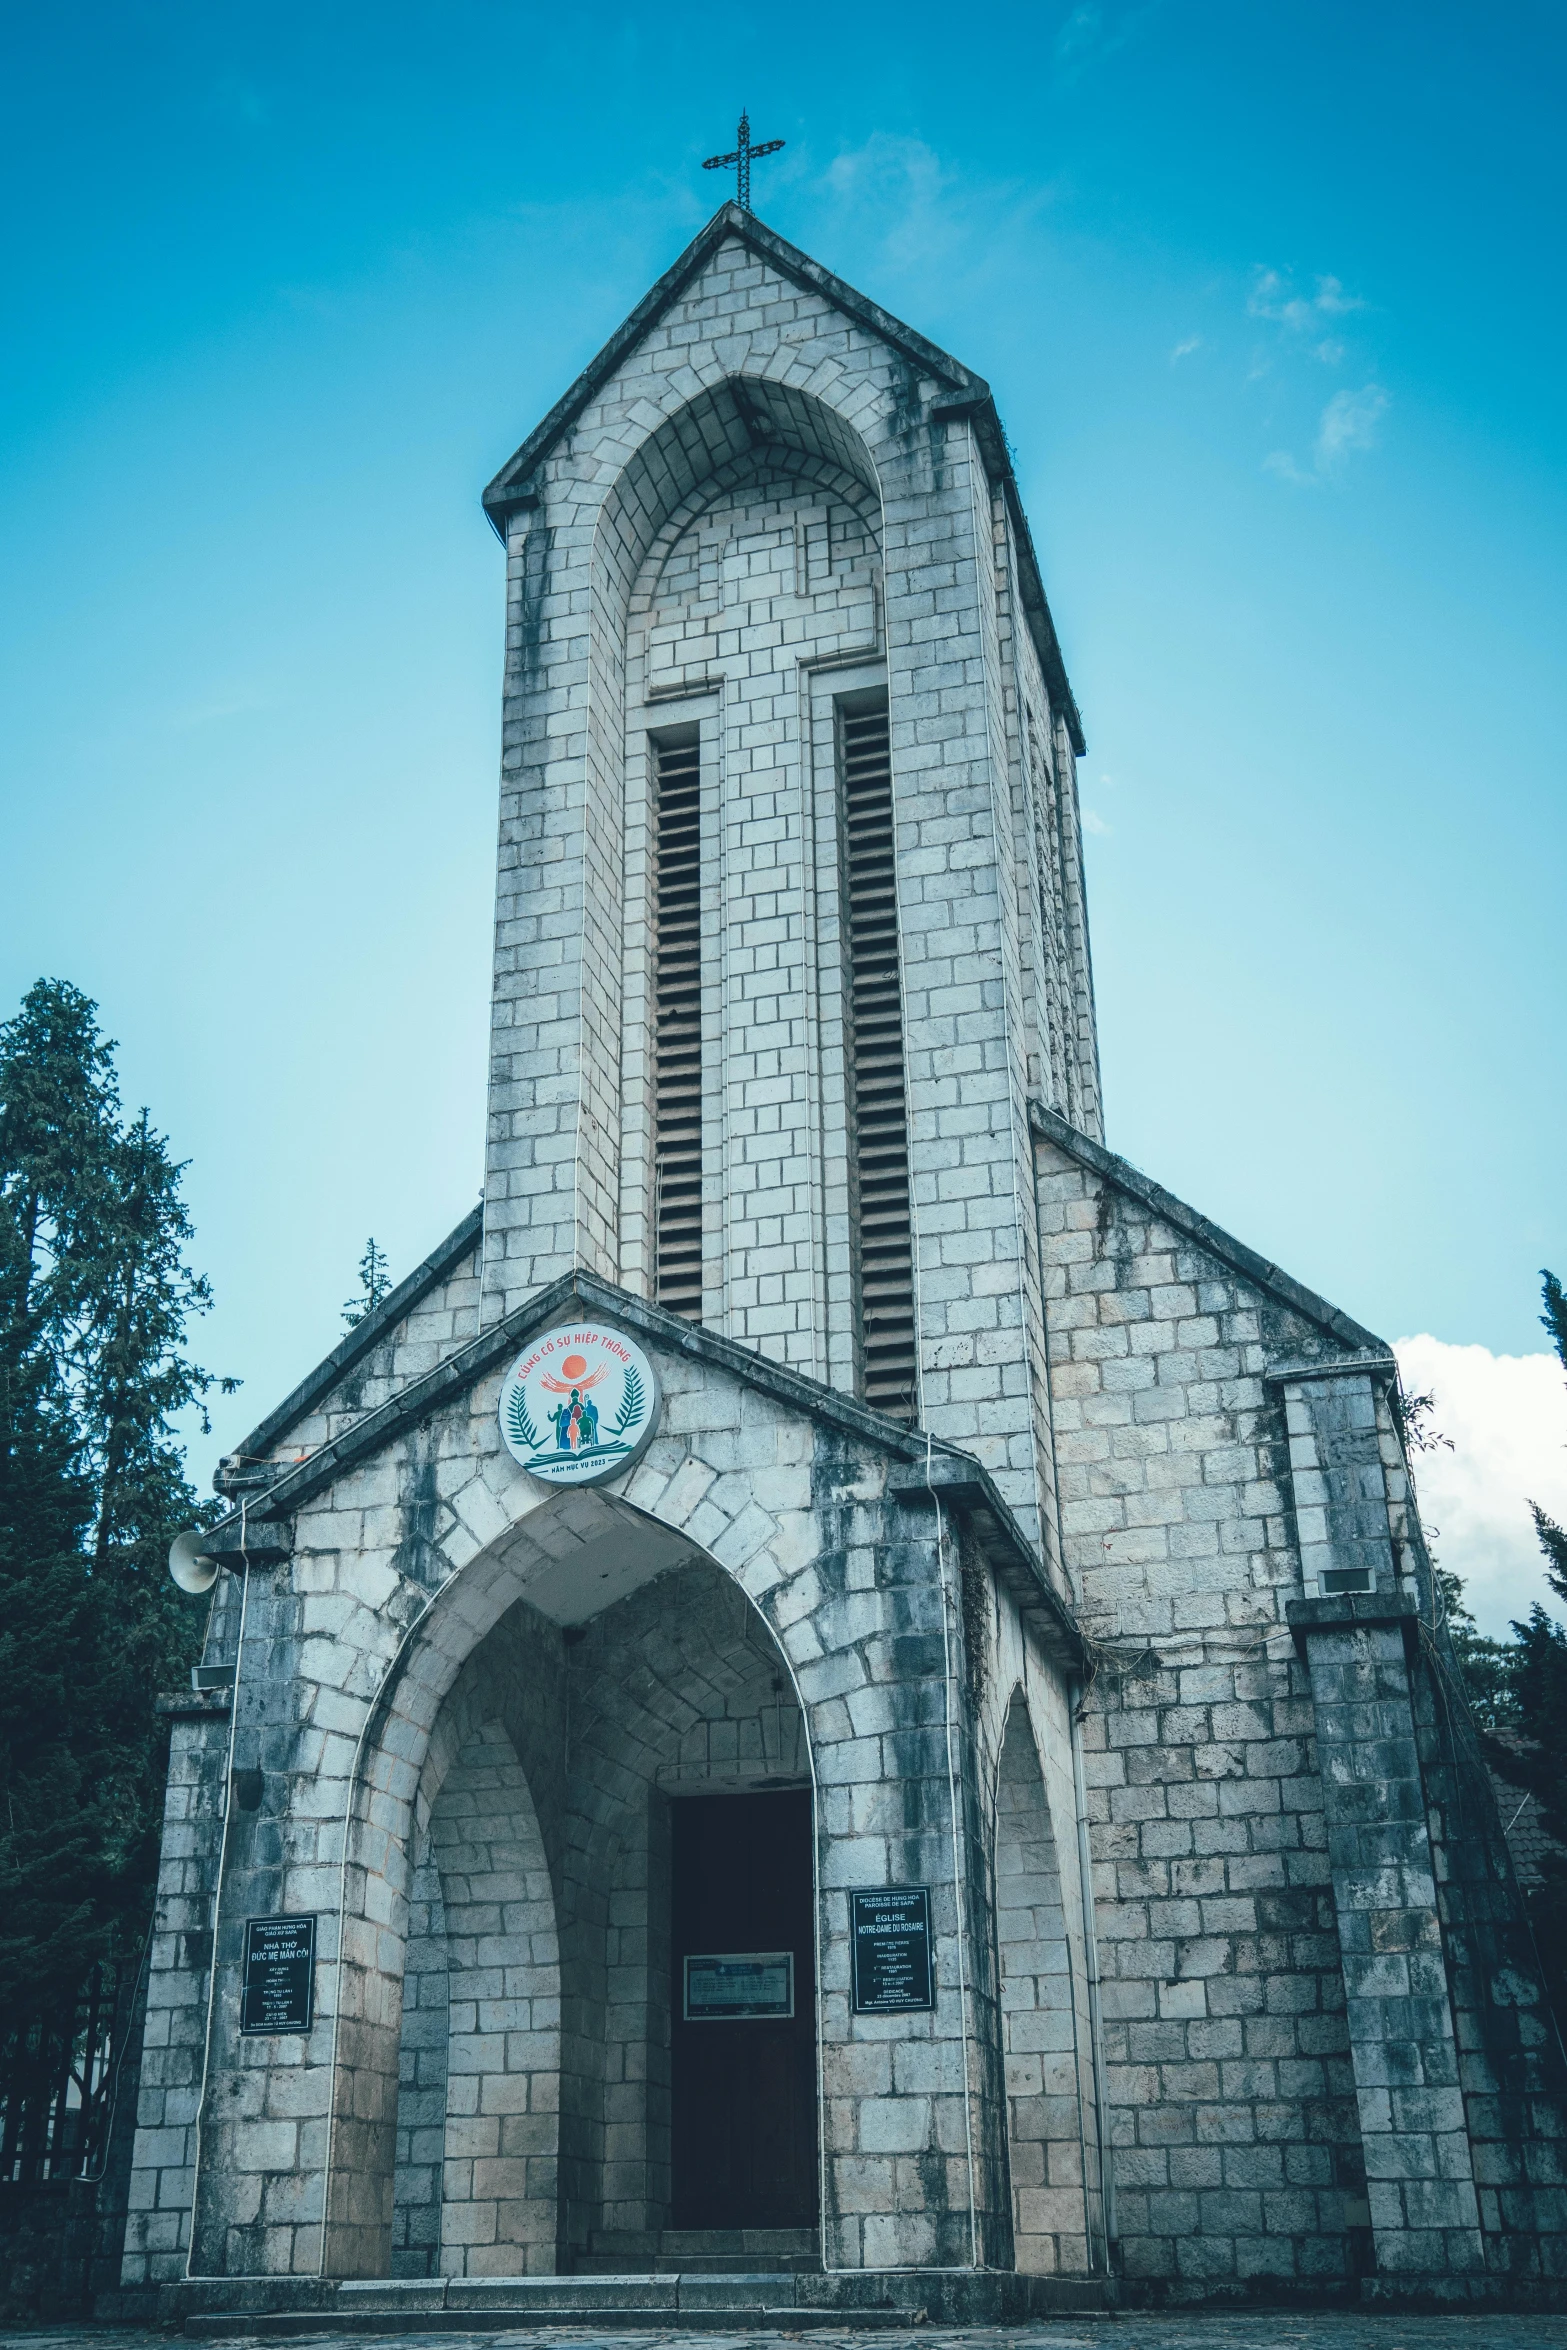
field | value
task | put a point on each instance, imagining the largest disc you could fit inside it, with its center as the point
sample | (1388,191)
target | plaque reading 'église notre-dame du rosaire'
(890,1934)
(279,1989)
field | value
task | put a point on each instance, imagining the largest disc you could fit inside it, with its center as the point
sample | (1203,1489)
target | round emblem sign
(578,1404)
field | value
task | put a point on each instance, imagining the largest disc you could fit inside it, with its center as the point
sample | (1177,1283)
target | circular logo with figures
(578,1404)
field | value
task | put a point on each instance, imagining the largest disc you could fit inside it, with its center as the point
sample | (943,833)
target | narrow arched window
(878,1113)
(677,1017)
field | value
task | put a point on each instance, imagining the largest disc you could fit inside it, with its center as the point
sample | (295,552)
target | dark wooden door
(744,2118)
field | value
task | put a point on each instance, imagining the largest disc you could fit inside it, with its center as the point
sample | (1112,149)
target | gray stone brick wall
(420,2159)
(1048,2115)
(1283,1933)
(500,2188)
(157,2232)
(1236,2141)
(419,1340)
(352,1680)
(1419,2175)
(762,487)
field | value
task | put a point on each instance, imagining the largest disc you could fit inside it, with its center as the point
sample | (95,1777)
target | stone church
(972,1810)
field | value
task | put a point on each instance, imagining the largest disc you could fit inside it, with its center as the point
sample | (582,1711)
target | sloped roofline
(972,402)
(251,1464)
(1212,1237)
(931,1470)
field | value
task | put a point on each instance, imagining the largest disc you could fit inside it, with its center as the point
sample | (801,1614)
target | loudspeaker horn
(193,1568)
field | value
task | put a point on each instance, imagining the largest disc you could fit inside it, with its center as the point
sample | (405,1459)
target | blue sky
(1270,299)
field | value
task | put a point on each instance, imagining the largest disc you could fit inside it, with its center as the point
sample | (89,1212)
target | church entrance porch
(493,2071)
(743,2137)
(608,1994)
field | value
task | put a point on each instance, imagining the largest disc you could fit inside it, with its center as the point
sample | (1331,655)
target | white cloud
(1091,33)
(1273,297)
(887,160)
(1093,823)
(1350,419)
(1347,425)
(1349,422)
(1331,298)
(1507,1418)
(1280,461)
(921,212)
(1185,350)
(1080,33)
(1270,298)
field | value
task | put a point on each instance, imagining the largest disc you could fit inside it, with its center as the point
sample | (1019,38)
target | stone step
(651,2300)
(702,2264)
(783,2319)
(673,2240)
(701,2252)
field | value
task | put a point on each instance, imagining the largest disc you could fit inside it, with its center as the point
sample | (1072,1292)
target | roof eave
(512,485)
(1196,1227)
(252,1450)
(929,1464)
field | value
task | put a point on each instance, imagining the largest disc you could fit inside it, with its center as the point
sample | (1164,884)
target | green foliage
(375,1282)
(1414,1414)
(1536,1757)
(1554,1318)
(95,1297)
(1490,1671)
(1489,1667)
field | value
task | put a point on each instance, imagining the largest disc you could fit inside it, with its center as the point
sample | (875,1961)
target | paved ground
(1265,2330)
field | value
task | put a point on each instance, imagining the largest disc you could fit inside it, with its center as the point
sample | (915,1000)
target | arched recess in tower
(739,738)
(739,429)
(770,565)
(1044,2036)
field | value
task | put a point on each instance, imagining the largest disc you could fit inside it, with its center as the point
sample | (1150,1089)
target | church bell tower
(790,924)
(975,1895)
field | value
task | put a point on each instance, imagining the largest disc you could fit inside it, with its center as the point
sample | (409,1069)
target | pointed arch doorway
(570,1770)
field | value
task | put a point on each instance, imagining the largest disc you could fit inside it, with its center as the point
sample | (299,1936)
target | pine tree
(1537,1760)
(48,1873)
(1487,1665)
(375,1282)
(94,1301)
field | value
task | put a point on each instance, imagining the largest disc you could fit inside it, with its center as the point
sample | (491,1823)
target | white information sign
(579,1404)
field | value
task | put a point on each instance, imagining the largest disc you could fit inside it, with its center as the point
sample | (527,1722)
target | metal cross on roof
(741,160)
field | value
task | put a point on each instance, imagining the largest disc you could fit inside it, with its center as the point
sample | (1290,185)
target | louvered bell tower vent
(677,1049)
(879,1143)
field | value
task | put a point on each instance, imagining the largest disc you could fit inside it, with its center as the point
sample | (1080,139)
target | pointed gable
(955,393)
